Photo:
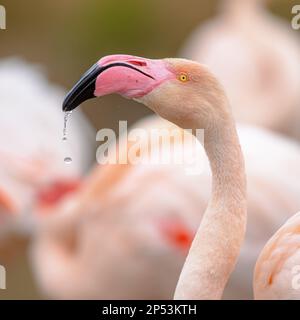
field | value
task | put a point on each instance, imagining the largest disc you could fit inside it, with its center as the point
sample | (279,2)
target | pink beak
(129,76)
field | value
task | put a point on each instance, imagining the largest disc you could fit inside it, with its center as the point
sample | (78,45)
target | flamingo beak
(129,76)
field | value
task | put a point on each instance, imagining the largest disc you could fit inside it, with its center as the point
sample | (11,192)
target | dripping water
(66,117)
(67,160)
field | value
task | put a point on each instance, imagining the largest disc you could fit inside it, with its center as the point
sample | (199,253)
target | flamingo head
(179,90)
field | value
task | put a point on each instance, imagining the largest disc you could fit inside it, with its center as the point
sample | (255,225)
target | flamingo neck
(227,165)
(217,243)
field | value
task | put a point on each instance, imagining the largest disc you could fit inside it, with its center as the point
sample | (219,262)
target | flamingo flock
(109,193)
(144,231)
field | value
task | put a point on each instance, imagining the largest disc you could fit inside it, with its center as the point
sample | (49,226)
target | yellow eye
(183,77)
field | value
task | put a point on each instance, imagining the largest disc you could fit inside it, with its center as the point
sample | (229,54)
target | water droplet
(66,117)
(68,160)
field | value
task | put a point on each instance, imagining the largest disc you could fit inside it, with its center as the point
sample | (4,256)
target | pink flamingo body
(277,271)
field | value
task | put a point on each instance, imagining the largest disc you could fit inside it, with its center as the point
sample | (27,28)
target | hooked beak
(129,76)
(85,88)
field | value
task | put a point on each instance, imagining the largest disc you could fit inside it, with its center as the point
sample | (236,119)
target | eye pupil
(183,77)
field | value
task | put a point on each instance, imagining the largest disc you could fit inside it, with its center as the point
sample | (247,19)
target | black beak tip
(66,106)
(71,102)
(77,96)
(83,90)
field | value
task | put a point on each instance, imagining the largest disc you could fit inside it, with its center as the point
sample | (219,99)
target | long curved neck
(217,243)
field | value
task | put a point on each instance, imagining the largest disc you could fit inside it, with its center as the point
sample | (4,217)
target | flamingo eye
(183,77)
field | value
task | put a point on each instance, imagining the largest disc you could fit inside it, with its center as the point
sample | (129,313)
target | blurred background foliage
(65,37)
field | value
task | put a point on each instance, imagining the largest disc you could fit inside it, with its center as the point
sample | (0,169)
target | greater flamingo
(163,227)
(187,94)
(255,55)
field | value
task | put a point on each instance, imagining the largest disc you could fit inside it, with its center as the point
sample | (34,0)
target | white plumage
(31,122)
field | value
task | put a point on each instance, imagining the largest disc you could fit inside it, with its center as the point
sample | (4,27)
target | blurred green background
(66,37)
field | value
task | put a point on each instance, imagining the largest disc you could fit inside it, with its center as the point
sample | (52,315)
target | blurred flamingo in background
(31,148)
(256,57)
(123,234)
(109,222)
(6,206)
